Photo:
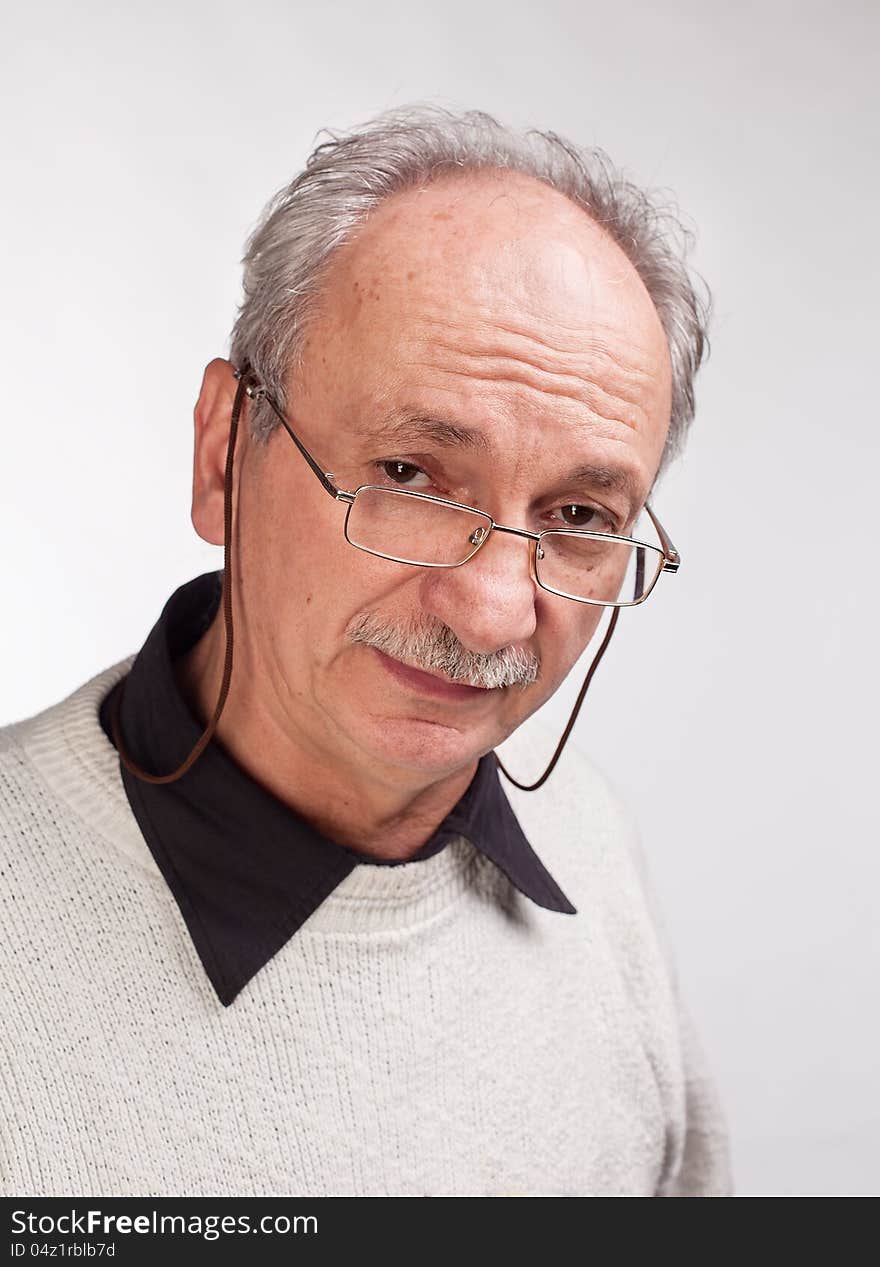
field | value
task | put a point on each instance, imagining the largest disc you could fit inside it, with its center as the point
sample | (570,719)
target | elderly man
(273,924)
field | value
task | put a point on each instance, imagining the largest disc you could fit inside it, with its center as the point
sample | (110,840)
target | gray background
(736,710)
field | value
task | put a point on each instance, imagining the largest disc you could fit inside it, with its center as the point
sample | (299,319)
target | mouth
(429,683)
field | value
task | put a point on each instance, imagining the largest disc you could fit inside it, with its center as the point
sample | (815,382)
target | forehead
(492,292)
(486,240)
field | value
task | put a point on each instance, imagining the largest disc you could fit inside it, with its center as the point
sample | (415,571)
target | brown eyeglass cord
(530,787)
(205,739)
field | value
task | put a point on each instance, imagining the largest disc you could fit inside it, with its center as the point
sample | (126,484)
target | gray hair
(345,179)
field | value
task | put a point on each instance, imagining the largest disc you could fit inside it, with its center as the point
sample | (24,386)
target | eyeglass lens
(396,525)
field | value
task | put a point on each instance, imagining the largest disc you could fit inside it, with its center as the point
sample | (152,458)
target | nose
(489,602)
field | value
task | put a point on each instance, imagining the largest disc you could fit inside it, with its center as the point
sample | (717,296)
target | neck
(383,811)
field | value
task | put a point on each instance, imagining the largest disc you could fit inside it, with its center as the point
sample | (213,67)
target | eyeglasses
(405,526)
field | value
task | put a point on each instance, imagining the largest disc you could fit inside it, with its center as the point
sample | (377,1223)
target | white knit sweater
(428,1031)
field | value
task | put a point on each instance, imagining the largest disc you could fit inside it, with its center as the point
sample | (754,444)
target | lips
(429,683)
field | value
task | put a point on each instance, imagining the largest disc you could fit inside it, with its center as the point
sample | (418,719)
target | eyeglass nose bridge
(481,535)
(517,532)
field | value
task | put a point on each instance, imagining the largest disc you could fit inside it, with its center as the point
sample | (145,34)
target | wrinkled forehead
(497,295)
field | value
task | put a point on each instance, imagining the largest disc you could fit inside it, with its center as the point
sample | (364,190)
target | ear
(211,417)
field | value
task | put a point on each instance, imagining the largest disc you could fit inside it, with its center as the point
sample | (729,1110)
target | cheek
(283,559)
(312,582)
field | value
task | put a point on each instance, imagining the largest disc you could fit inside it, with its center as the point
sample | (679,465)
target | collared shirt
(246,869)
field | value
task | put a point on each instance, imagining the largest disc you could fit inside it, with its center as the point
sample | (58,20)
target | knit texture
(428,1030)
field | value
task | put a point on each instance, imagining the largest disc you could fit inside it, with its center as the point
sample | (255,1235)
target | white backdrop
(736,710)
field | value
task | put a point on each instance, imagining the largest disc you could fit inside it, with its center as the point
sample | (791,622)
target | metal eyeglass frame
(667,550)
(671,556)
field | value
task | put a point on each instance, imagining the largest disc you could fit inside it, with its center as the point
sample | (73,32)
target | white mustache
(435,647)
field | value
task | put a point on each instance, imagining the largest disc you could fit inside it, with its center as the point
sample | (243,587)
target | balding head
(348,179)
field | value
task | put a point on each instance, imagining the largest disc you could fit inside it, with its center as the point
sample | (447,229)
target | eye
(574,515)
(399,471)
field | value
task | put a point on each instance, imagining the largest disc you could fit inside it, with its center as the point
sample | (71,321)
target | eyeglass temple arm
(673,558)
(256,392)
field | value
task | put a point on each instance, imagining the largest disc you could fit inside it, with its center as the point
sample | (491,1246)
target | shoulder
(76,714)
(58,756)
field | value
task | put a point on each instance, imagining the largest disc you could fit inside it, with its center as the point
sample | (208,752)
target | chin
(431,746)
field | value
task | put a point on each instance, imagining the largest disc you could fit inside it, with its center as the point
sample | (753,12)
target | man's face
(488,303)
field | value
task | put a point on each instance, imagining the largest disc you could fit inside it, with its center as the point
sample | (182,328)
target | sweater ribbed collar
(245,869)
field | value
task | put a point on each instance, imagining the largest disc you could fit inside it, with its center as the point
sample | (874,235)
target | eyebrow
(616,479)
(418,427)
